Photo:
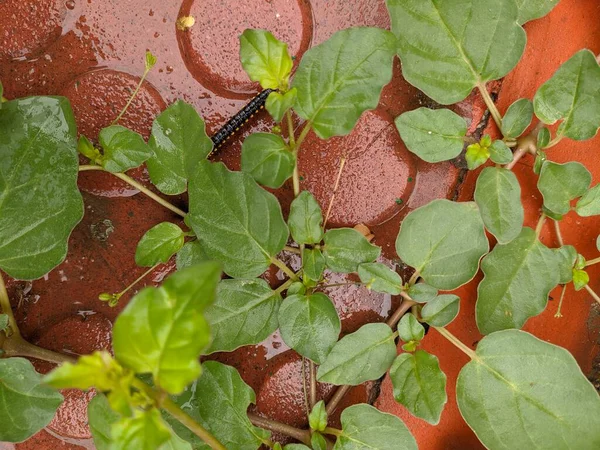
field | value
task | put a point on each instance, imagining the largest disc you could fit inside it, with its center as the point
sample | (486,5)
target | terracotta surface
(92,52)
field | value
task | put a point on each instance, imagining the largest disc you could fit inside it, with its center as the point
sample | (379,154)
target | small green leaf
(476,155)
(361,356)
(87,149)
(561,183)
(145,430)
(268,159)
(580,262)
(447,49)
(572,95)
(329,94)
(580,279)
(517,118)
(500,153)
(521,392)
(158,244)
(244,313)
(589,204)
(97,370)
(365,427)
(543,138)
(100,420)
(518,278)
(190,255)
(317,418)
(498,195)
(3,322)
(422,292)
(410,329)
(534,9)
(380,278)
(305,219)
(234,232)
(317,442)
(420,385)
(278,104)
(345,249)
(178,141)
(297,287)
(540,159)
(149,61)
(265,59)
(123,149)
(433,135)
(27,404)
(442,310)
(313,263)
(310,325)
(565,256)
(162,331)
(432,239)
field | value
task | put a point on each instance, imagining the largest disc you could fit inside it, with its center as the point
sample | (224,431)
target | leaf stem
(559,234)
(335,189)
(591,262)
(414,278)
(295,250)
(127,179)
(592,293)
(553,142)
(517,155)
(333,431)
(133,95)
(284,286)
(457,342)
(284,268)
(540,225)
(296,149)
(138,279)
(290,123)
(304,389)
(17,346)
(490,104)
(560,302)
(278,427)
(313,384)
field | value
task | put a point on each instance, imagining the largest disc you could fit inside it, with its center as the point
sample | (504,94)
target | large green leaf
(573,96)
(433,135)
(565,256)
(26,404)
(589,204)
(534,9)
(158,244)
(97,370)
(380,278)
(498,195)
(310,325)
(365,427)
(313,263)
(521,392)
(39,200)
(278,104)
(305,219)
(517,118)
(179,141)
(123,149)
(343,77)
(268,159)
(420,385)
(237,222)
(190,254)
(145,430)
(422,293)
(518,278)
(361,356)
(561,183)
(443,241)
(162,330)
(244,313)
(218,401)
(345,249)
(448,47)
(265,59)
(442,310)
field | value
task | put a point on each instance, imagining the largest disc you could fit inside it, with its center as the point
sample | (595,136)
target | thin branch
(338,395)
(554,142)
(135,92)
(295,250)
(591,262)
(284,268)
(517,155)
(17,346)
(313,384)
(305,389)
(490,104)
(592,293)
(278,427)
(290,123)
(540,225)
(562,297)
(457,342)
(558,233)
(335,189)
(406,304)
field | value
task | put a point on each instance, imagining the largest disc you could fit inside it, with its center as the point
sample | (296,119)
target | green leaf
(317,418)
(268,159)
(100,420)
(310,325)
(433,240)
(534,9)
(162,331)
(521,392)
(297,287)
(543,138)
(317,442)
(179,141)
(150,61)
(518,278)
(190,255)
(447,49)
(380,278)
(265,59)
(218,400)
(27,404)
(580,279)
(365,427)
(561,183)
(313,263)
(278,104)
(572,95)
(580,262)
(477,155)
(123,149)
(540,159)
(498,195)
(234,232)
(517,118)
(158,244)
(565,257)
(589,204)
(422,292)
(442,310)
(345,249)
(433,135)
(4,322)
(500,153)
(98,370)
(420,385)
(244,313)
(409,328)
(305,219)
(343,77)
(40,203)
(145,430)
(87,149)
(361,356)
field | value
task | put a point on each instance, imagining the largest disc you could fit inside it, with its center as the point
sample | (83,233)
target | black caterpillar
(234,124)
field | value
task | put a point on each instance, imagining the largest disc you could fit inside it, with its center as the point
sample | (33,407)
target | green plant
(516,391)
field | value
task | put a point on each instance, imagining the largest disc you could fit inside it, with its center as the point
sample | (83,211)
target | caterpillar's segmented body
(234,124)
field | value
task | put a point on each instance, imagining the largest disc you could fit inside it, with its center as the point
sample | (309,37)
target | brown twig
(278,427)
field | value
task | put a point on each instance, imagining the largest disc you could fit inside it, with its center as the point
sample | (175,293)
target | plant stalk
(591,262)
(335,189)
(278,427)
(457,343)
(135,92)
(592,293)
(17,346)
(540,225)
(313,384)
(284,268)
(490,104)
